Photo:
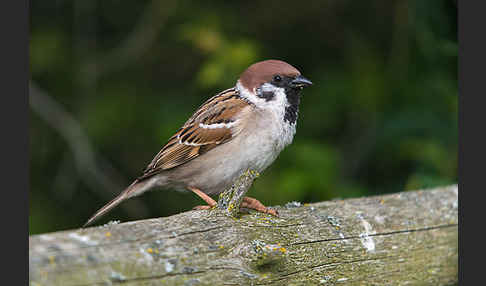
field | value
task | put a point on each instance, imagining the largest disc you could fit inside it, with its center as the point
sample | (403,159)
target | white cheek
(281,131)
(279,100)
(277,103)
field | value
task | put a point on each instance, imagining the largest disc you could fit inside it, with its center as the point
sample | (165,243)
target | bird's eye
(277,78)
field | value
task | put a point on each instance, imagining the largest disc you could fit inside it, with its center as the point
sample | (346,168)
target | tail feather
(125,194)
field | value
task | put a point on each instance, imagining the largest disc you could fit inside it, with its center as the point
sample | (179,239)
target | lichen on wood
(397,239)
(230,200)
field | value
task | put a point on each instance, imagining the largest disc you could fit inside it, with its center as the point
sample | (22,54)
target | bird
(243,127)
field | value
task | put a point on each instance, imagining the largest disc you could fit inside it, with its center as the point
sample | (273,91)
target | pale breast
(267,138)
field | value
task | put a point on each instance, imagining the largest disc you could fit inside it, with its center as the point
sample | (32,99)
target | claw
(206,207)
(251,203)
(272,212)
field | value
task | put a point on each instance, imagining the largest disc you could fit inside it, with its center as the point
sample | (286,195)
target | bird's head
(264,80)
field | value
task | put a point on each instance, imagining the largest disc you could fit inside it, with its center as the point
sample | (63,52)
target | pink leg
(251,203)
(211,203)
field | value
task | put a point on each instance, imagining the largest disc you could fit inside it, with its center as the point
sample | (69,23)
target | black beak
(300,82)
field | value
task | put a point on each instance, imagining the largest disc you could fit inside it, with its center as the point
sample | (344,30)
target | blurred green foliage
(381,116)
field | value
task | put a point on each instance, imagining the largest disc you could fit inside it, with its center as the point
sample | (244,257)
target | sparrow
(243,127)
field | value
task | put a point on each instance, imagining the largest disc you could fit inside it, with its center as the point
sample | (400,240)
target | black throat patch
(292,111)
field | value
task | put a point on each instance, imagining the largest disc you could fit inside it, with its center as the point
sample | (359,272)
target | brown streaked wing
(210,104)
(192,140)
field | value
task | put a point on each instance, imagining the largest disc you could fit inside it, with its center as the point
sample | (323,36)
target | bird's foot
(206,207)
(247,203)
(210,202)
(254,204)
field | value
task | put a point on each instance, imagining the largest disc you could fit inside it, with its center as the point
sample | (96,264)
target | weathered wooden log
(404,238)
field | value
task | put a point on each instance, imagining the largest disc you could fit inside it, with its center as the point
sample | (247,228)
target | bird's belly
(219,168)
(255,149)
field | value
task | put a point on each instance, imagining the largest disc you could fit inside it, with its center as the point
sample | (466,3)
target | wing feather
(214,123)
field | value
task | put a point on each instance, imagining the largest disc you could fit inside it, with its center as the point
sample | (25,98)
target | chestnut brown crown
(261,72)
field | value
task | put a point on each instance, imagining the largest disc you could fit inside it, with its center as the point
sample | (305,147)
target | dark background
(112,80)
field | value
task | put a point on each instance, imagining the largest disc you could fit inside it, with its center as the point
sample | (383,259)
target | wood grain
(407,238)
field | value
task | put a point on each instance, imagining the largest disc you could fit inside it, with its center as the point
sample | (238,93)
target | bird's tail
(125,194)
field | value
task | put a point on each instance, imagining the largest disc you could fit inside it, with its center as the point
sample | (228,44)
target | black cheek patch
(267,95)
